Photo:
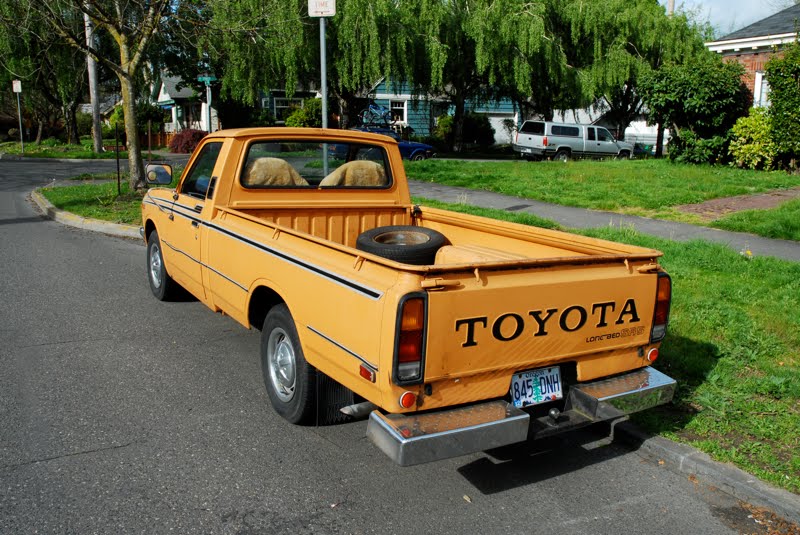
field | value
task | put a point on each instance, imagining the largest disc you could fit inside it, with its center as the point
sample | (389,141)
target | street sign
(321,8)
(17,86)
(207,79)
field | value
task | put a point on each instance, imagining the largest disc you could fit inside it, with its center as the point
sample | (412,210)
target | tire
(562,155)
(290,380)
(406,244)
(161,284)
(418,156)
(624,155)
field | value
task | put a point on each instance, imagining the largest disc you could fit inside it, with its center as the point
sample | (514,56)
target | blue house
(419,114)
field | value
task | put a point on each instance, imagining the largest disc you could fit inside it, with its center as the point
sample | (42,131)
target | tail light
(544,141)
(661,316)
(409,349)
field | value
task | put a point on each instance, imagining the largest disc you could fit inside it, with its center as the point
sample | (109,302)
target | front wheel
(161,284)
(290,380)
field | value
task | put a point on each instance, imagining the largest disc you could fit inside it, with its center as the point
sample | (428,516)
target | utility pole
(670,7)
(91,66)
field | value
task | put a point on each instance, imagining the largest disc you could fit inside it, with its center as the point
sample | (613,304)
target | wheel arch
(261,300)
(149,226)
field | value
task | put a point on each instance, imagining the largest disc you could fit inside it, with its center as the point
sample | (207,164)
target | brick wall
(752,63)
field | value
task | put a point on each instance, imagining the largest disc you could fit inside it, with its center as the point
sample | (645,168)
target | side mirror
(158,174)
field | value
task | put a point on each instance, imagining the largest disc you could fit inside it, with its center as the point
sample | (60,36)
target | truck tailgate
(506,321)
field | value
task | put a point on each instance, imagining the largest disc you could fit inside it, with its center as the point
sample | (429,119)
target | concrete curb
(72,220)
(687,460)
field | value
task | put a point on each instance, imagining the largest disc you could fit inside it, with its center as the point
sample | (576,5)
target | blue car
(409,150)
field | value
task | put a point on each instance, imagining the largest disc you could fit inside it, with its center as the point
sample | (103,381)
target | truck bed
(472,240)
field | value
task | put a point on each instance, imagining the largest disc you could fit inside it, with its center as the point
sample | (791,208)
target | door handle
(195,224)
(198,208)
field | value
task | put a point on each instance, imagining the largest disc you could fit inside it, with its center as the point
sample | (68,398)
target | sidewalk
(580,218)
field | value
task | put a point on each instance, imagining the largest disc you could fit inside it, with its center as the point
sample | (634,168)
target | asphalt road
(121,414)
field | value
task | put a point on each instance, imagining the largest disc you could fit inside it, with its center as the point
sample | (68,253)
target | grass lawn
(53,149)
(649,188)
(781,223)
(732,345)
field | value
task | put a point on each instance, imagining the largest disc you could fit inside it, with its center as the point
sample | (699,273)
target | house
(419,113)
(188,108)
(754,45)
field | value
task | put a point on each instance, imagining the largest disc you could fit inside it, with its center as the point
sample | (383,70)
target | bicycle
(376,114)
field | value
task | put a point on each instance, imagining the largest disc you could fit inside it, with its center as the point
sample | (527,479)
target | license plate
(536,386)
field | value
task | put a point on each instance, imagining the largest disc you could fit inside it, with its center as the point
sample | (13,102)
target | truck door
(183,237)
(591,142)
(606,144)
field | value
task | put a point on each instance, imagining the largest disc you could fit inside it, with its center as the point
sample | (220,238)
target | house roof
(170,88)
(782,22)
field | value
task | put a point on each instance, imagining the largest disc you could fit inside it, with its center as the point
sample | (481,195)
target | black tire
(161,284)
(418,156)
(406,244)
(624,155)
(289,378)
(562,155)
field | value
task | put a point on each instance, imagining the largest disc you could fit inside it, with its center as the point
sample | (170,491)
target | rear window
(314,164)
(532,127)
(572,131)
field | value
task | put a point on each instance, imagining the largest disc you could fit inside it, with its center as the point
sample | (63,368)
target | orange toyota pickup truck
(455,333)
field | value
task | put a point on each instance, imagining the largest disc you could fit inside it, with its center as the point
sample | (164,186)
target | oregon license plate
(536,386)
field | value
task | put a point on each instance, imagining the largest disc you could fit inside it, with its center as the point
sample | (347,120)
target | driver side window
(199,176)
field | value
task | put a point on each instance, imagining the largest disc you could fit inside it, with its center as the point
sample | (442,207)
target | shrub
(84,123)
(783,75)
(477,130)
(751,144)
(688,147)
(309,116)
(186,141)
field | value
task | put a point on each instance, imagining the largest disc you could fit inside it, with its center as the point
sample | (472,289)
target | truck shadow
(688,361)
(527,463)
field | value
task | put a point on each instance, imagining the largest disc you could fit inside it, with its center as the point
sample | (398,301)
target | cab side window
(604,135)
(199,176)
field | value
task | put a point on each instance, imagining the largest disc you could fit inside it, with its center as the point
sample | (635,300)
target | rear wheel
(290,380)
(562,155)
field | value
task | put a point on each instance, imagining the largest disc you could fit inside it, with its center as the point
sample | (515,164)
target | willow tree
(617,41)
(130,24)
(274,44)
(52,74)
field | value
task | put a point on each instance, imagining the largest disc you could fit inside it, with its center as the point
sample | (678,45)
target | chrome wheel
(282,364)
(156,266)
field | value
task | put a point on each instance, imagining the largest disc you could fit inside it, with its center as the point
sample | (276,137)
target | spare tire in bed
(402,243)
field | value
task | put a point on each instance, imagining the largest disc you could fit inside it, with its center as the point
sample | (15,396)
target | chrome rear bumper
(410,439)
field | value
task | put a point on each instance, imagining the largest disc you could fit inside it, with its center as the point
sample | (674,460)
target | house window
(761,91)
(285,106)
(398,108)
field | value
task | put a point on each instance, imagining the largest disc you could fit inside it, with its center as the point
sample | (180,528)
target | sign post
(17,87)
(207,79)
(323,9)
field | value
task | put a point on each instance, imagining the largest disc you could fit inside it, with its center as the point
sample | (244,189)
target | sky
(727,16)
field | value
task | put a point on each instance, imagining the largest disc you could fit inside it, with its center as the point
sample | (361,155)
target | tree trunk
(135,162)
(94,96)
(458,124)
(71,123)
(660,140)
